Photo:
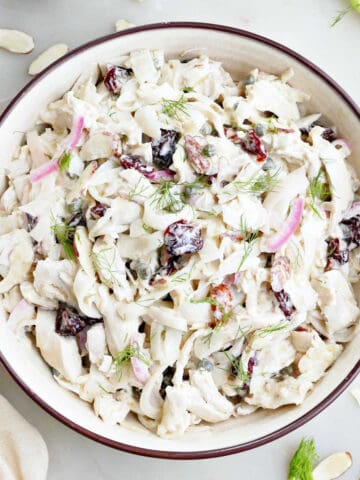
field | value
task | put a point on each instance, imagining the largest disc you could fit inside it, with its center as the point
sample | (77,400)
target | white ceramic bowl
(239,51)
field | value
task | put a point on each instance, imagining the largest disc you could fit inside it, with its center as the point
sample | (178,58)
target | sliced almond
(355,392)
(123,24)
(47,57)
(332,467)
(15,41)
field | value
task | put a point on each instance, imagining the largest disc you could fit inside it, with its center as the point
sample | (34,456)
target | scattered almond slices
(332,467)
(355,392)
(15,41)
(123,24)
(47,57)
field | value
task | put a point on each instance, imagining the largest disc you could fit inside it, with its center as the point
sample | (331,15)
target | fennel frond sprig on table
(302,462)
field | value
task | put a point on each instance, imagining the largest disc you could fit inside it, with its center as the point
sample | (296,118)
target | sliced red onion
(342,142)
(289,227)
(76,132)
(43,171)
(140,369)
(158,175)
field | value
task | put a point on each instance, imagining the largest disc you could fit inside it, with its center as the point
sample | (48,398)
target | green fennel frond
(249,237)
(65,235)
(184,276)
(301,464)
(173,108)
(263,332)
(125,355)
(340,15)
(207,339)
(237,367)
(258,183)
(139,189)
(166,197)
(104,265)
(319,190)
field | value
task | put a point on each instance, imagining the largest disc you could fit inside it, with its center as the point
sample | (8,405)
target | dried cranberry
(223,297)
(163,148)
(116,77)
(251,143)
(170,260)
(31,221)
(200,163)
(335,256)
(137,163)
(98,210)
(69,322)
(180,238)
(351,229)
(285,303)
(329,134)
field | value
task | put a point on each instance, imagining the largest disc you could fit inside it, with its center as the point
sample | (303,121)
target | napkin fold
(23,452)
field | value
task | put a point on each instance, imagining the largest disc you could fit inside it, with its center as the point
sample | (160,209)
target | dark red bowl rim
(221,451)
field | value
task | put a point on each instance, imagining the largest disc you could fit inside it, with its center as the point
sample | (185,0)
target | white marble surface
(302,25)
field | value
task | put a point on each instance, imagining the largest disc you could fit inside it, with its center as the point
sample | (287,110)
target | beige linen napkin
(23,452)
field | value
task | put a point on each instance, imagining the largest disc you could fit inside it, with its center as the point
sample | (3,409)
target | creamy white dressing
(154,227)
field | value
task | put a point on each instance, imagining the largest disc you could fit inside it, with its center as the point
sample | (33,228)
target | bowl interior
(239,53)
